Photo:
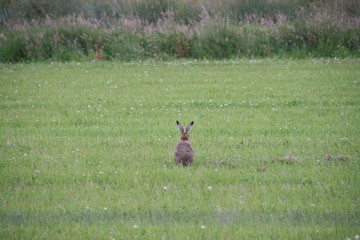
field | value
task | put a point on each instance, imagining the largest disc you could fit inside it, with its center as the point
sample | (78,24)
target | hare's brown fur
(184,153)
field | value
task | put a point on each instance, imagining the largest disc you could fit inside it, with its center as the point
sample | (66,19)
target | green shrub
(122,46)
(13,49)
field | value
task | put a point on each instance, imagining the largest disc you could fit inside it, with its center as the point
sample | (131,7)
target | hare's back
(184,148)
(184,154)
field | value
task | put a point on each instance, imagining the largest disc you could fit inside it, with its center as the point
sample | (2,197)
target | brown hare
(184,153)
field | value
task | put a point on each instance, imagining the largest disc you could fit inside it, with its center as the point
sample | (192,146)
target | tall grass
(129,30)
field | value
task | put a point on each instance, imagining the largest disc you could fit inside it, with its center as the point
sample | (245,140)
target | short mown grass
(86,150)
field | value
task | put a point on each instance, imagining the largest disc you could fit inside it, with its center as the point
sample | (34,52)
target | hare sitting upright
(184,154)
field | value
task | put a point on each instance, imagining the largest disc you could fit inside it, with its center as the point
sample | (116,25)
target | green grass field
(86,150)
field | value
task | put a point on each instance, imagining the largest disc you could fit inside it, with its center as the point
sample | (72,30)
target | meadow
(86,150)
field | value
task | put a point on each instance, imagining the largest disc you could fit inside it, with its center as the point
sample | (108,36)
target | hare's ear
(180,127)
(188,128)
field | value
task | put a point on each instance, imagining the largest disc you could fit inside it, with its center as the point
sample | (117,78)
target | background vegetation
(84,155)
(166,29)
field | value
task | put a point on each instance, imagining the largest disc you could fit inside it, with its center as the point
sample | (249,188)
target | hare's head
(185,134)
